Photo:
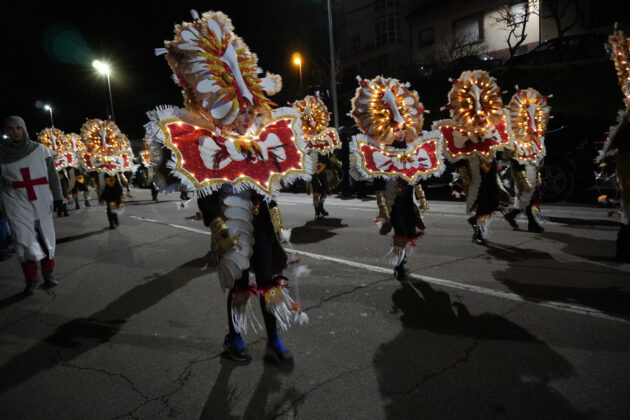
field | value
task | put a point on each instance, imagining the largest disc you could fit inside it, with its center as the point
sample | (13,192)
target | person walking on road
(112,195)
(27,178)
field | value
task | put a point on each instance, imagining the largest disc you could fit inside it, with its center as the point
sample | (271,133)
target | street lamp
(49,109)
(103,68)
(297,60)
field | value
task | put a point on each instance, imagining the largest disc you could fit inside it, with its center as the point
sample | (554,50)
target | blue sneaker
(277,352)
(236,349)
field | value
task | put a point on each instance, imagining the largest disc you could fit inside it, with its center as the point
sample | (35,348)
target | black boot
(115,217)
(76,205)
(478,237)
(623,243)
(321,207)
(532,224)
(399,272)
(110,217)
(87,203)
(472,221)
(65,210)
(318,212)
(510,216)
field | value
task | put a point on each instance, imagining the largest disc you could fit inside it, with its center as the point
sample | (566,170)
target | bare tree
(444,52)
(513,18)
(564,13)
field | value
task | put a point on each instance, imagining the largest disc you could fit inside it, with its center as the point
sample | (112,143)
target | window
(387,27)
(426,37)
(468,30)
(518,13)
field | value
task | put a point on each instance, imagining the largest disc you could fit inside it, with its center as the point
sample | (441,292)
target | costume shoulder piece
(478,124)
(219,77)
(528,118)
(77,146)
(314,119)
(379,107)
(55,140)
(107,149)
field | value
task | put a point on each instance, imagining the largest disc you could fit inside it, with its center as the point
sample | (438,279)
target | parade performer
(107,150)
(76,174)
(618,142)
(528,117)
(80,186)
(476,131)
(394,152)
(321,142)
(112,195)
(28,177)
(63,157)
(235,168)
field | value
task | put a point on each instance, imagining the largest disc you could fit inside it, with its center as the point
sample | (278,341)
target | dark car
(572,143)
(569,48)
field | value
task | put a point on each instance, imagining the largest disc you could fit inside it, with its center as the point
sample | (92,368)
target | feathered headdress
(75,141)
(52,138)
(478,124)
(529,115)
(107,148)
(382,104)
(474,101)
(314,118)
(216,69)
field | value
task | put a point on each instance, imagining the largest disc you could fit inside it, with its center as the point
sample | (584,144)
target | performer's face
(399,133)
(15,131)
(244,120)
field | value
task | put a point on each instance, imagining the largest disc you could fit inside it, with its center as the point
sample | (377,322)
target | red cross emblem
(29,183)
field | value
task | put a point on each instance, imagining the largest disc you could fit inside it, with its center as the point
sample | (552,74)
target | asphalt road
(533,326)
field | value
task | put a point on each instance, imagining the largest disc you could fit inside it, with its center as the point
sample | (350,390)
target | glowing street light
(49,109)
(103,68)
(297,60)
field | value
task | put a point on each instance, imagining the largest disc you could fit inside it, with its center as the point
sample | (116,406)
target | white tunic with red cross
(28,204)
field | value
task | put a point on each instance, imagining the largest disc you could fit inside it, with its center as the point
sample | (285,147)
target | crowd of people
(250,151)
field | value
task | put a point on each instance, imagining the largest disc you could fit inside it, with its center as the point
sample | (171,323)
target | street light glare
(101,67)
(297,59)
(47,107)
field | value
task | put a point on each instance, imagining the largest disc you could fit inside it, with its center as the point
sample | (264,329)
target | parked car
(575,47)
(572,143)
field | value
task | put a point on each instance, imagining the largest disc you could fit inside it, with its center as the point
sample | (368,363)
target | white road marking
(561,306)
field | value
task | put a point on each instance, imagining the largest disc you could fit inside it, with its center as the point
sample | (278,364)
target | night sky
(51,48)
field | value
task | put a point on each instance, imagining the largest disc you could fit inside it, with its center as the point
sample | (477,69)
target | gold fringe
(276,219)
(381,202)
(221,239)
(523,184)
(422,200)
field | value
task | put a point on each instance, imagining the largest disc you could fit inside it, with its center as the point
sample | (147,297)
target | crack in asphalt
(463,359)
(118,375)
(295,403)
(181,381)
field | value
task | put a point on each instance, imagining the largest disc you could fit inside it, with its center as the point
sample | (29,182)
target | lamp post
(333,78)
(297,60)
(49,109)
(103,68)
